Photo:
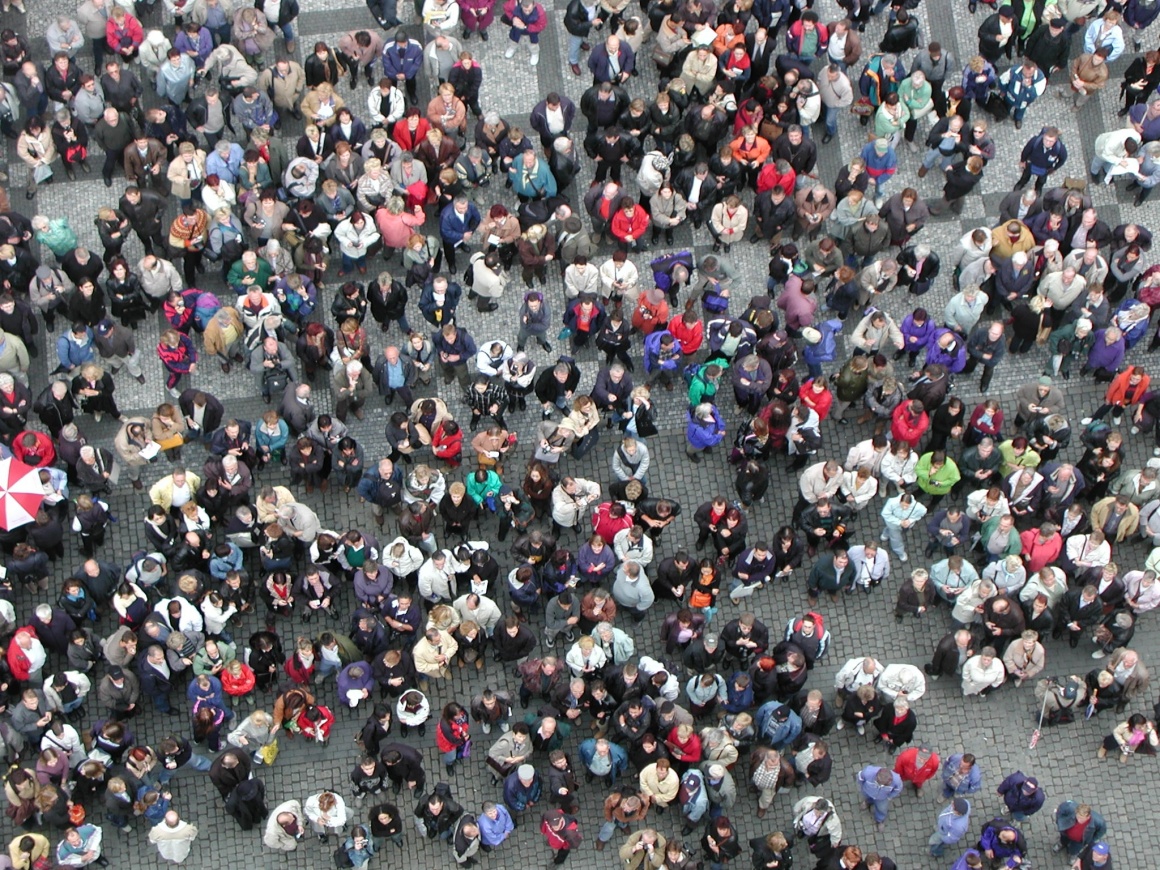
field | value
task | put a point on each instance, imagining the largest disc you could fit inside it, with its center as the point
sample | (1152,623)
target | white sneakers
(535,57)
(511,52)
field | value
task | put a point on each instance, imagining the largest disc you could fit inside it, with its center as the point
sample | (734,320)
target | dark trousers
(99,48)
(988,372)
(1025,177)
(113,159)
(149,240)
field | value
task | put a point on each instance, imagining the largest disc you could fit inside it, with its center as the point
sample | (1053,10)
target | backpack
(275,381)
(1095,433)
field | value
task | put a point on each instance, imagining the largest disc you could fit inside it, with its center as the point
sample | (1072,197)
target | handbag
(42,173)
(269,752)
(661,57)
(862,107)
(341,858)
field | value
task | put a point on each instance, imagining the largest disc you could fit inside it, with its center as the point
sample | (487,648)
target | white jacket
(898,678)
(275,836)
(353,242)
(852,676)
(408,563)
(976,676)
(569,510)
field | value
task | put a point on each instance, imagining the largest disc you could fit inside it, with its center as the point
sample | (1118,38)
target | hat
(961,806)
(43,273)
(709,640)
(781,336)
(506,490)
(881,146)
(1057,22)
(780,713)
(105,325)
(115,673)
(811,335)
(1100,848)
(1045,381)
(1030,785)
(526,771)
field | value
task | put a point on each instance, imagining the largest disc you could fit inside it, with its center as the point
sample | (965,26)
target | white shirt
(181,494)
(555,118)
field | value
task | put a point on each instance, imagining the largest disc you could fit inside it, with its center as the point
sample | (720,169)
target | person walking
(879,786)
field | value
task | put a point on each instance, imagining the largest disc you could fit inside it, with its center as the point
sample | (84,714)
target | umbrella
(20,493)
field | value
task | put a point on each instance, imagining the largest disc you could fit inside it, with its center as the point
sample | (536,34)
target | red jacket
(905,767)
(132,29)
(905,426)
(819,402)
(636,226)
(18,661)
(689,335)
(605,526)
(1036,555)
(449,736)
(297,672)
(769,178)
(407,140)
(239,685)
(42,455)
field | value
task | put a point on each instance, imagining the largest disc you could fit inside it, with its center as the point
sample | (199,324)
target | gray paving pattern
(995,729)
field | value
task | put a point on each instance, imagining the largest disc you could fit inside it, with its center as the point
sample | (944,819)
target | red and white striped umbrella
(20,493)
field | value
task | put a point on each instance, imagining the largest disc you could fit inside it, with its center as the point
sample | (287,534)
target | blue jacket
(951,827)
(408,61)
(955,359)
(451,228)
(872,790)
(1043,160)
(463,345)
(1097,829)
(1011,789)
(916,337)
(738,700)
(492,833)
(517,796)
(652,352)
(827,349)
(212,695)
(72,354)
(779,734)
(879,166)
(220,566)
(698,803)
(385,493)
(961,864)
(970,785)
(702,433)
(1106,356)
(618,755)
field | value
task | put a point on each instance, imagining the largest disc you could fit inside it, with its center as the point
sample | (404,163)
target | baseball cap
(1100,848)
(961,806)
(116,673)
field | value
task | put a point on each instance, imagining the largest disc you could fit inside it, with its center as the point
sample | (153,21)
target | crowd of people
(234,603)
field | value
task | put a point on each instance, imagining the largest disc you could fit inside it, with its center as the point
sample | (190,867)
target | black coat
(901,733)
(246,802)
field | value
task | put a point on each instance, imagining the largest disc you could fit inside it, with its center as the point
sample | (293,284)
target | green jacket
(479,491)
(701,389)
(1029,459)
(942,481)
(1014,545)
(261,275)
(58,238)
(915,99)
(201,662)
(850,386)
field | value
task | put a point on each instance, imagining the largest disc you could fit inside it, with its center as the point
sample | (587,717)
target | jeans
(196,762)
(879,808)
(608,829)
(450,757)
(893,534)
(936,844)
(287,31)
(933,156)
(326,668)
(1099,165)
(350,263)
(574,48)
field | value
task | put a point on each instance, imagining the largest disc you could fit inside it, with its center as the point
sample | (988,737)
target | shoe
(1135,430)
(108,183)
(324,838)
(1116,420)
(922,170)
(1018,125)
(140,379)
(827,139)
(482,35)
(226,368)
(841,725)
(761,813)
(1085,421)
(913,147)
(1056,847)
(70,172)
(860,728)
(510,53)
(137,484)
(587,46)
(575,67)
(1099,654)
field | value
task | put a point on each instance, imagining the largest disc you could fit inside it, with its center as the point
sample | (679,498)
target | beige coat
(365,56)
(662,791)
(287,90)
(312,101)
(698,74)
(1016,657)
(1128,524)
(178,174)
(128,452)
(1093,77)
(36,149)
(425,654)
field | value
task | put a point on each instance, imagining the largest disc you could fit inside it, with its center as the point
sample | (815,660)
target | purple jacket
(916,337)
(1105,356)
(702,433)
(954,358)
(347,683)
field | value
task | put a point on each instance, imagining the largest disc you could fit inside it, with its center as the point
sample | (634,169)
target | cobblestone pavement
(995,729)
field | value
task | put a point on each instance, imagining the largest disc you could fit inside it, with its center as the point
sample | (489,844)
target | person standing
(173,838)
(879,786)
(952,825)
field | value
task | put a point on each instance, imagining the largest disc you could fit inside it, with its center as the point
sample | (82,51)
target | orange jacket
(758,152)
(1121,393)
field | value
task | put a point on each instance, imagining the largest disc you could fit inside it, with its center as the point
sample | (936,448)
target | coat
(275,836)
